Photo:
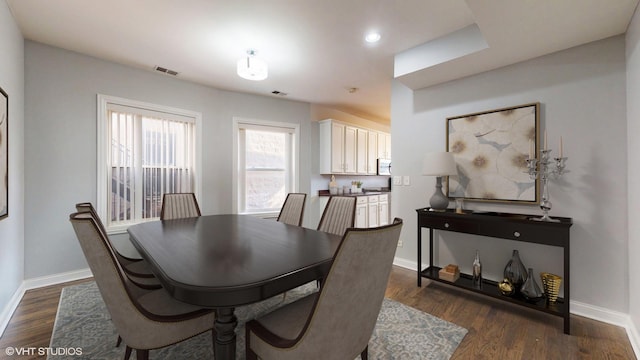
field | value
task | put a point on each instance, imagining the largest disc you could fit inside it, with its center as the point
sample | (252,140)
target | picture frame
(4,154)
(490,149)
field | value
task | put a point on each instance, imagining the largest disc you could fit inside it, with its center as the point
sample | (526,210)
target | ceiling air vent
(166,71)
(276,92)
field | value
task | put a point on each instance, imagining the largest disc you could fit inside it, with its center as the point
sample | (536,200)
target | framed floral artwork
(4,154)
(490,149)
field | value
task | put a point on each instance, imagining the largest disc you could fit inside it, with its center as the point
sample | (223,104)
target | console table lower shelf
(514,227)
(490,288)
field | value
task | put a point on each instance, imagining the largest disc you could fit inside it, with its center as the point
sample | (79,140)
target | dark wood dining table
(225,261)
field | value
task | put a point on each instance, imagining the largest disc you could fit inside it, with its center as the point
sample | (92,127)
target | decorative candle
(531,149)
(545,140)
(560,146)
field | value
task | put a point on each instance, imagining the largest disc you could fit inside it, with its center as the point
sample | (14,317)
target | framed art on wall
(4,154)
(490,149)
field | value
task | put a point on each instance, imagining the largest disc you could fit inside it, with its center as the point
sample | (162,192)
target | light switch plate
(397,180)
(406,180)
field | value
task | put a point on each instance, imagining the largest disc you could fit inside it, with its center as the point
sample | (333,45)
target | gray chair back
(338,215)
(179,206)
(138,328)
(292,210)
(136,269)
(347,307)
(88,207)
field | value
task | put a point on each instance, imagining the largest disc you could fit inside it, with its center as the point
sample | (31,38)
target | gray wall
(12,227)
(633,150)
(60,155)
(582,92)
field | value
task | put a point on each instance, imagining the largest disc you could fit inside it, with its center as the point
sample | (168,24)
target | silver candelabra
(546,169)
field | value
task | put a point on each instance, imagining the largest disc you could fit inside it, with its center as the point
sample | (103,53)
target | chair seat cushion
(288,321)
(161,304)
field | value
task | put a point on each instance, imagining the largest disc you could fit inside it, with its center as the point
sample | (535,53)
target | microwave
(384,167)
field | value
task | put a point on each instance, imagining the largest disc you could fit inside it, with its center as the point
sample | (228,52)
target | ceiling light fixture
(251,67)
(372,37)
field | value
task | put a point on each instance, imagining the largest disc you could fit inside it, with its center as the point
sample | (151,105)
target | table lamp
(438,164)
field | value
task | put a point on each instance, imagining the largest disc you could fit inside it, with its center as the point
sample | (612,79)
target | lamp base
(438,201)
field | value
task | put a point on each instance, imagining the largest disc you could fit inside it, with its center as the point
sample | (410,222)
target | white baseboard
(11,307)
(610,317)
(600,314)
(634,338)
(577,308)
(29,284)
(56,278)
(404,263)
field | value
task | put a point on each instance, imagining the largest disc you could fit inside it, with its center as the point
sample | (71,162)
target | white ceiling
(315,48)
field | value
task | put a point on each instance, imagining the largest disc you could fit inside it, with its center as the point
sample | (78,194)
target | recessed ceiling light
(372,37)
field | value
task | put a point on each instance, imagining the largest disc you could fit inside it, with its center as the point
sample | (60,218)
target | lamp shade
(438,164)
(251,67)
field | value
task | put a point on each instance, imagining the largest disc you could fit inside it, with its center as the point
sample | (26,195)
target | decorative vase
(506,288)
(530,289)
(515,271)
(551,285)
(477,271)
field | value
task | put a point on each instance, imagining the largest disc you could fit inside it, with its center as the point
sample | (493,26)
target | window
(265,159)
(144,151)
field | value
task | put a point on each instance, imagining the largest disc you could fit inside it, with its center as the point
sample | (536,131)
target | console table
(517,227)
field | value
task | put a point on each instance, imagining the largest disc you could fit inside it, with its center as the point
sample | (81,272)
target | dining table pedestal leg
(224,347)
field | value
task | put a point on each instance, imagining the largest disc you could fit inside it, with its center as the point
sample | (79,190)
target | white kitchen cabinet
(372,153)
(387,145)
(383,210)
(361,212)
(384,146)
(361,151)
(372,211)
(346,149)
(337,148)
(350,155)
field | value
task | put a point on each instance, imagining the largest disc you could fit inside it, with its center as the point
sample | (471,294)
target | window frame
(103,150)
(244,123)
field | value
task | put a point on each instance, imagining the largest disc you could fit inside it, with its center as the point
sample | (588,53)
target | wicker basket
(551,284)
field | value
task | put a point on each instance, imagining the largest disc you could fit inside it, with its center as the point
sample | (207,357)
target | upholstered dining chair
(338,215)
(338,321)
(136,269)
(146,321)
(292,210)
(179,206)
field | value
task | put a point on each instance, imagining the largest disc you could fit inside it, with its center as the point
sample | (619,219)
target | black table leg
(419,255)
(225,341)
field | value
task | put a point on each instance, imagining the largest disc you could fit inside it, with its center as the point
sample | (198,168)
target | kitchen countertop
(364,193)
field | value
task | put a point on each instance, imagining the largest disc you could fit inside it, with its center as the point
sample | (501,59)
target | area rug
(83,325)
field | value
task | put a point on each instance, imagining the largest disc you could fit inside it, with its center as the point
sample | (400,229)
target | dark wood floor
(497,330)
(32,322)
